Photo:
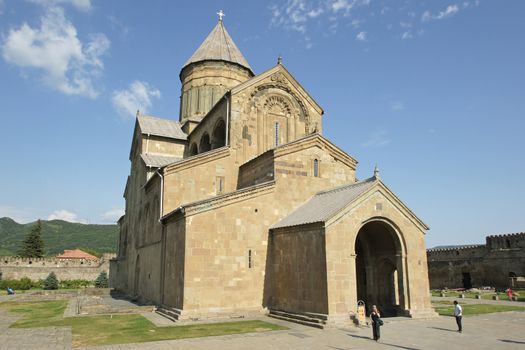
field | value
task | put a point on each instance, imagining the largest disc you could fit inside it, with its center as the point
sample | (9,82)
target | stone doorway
(467,280)
(379,268)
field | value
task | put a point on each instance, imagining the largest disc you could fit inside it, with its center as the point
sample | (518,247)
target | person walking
(458,313)
(375,316)
(509,293)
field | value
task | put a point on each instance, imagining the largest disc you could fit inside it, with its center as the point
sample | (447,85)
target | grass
(120,329)
(477,309)
(484,295)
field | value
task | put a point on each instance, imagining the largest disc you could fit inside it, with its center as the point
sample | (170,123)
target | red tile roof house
(76,254)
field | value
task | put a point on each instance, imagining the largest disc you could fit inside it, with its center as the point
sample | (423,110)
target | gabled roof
(76,254)
(218,46)
(279,68)
(325,204)
(158,160)
(328,206)
(160,127)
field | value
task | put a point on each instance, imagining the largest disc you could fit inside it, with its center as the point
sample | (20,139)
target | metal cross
(221,14)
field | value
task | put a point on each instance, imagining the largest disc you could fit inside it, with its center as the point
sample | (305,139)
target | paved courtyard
(491,331)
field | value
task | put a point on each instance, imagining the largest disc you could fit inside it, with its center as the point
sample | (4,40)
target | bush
(25,284)
(22,284)
(102,280)
(51,282)
(75,284)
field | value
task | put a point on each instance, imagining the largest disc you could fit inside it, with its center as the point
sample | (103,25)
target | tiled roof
(158,160)
(76,254)
(326,204)
(161,127)
(218,46)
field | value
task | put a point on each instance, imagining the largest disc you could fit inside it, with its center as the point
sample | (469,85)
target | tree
(51,282)
(33,245)
(102,280)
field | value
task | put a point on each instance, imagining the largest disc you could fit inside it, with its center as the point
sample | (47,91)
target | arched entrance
(379,268)
(205,145)
(218,138)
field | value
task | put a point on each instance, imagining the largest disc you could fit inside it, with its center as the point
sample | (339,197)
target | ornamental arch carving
(281,116)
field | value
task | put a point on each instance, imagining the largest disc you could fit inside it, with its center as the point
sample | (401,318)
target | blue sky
(433,92)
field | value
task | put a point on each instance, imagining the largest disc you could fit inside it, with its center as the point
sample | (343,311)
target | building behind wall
(499,263)
(242,206)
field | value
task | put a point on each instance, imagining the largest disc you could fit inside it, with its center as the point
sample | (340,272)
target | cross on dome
(221,14)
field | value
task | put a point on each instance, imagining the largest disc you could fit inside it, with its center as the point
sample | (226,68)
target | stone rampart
(497,263)
(65,269)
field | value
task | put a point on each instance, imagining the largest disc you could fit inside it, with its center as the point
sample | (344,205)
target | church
(242,207)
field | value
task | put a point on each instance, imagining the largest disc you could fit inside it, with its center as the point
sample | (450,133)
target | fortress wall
(35,269)
(486,265)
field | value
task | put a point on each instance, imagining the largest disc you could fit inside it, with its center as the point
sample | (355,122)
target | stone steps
(306,319)
(169,313)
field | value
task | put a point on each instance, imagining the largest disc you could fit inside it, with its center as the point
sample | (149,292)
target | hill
(59,235)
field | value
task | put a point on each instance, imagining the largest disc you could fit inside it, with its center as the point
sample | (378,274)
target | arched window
(218,138)
(205,145)
(276,134)
(194,149)
(316,168)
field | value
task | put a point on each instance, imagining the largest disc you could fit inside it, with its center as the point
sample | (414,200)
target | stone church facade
(243,207)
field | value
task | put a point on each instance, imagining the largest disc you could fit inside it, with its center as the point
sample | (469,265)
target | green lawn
(484,296)
(120,329)
(477,309)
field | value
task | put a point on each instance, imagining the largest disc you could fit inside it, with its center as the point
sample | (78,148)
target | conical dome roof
(219,46)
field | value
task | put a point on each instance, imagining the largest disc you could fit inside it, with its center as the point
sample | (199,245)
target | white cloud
(138,96)
(297,14)
(397,106)
(449,11)
(117,24)
(315,13)
(112,215)
(66,216)
(406,35)
(66,64)
(347,5)
(83,5)
(378,138)
(339,5)
(361,36)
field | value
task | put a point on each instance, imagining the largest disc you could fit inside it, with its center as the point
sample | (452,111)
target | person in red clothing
(509,293)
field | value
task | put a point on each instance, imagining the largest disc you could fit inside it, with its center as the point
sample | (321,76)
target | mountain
(59,235)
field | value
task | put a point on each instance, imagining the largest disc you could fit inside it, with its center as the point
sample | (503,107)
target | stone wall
(36,269)
(492,264)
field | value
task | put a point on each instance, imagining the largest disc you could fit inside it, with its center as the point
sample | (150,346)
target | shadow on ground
(382,343)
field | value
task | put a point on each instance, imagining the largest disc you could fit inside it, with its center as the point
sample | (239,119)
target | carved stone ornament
(279,78)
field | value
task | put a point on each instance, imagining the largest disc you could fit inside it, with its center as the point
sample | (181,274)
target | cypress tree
(102,280)
(33,245)
(51,282)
